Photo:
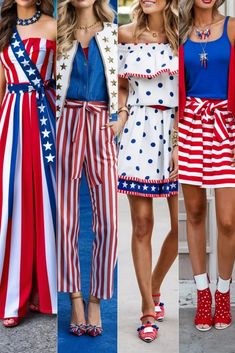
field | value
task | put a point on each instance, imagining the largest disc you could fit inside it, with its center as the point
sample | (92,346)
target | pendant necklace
(203,33)
(203,55)
(154,33)
(29,21)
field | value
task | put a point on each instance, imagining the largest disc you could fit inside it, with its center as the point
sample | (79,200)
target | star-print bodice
(152,73)
(41,52)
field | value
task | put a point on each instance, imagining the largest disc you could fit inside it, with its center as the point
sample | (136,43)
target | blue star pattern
(29,21)
(47,126)
(145,149)
(143,188)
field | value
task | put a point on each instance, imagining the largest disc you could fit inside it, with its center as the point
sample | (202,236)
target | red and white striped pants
(82,142)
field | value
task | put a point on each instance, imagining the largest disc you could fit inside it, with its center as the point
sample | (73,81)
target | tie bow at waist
(82,107)
(207,109)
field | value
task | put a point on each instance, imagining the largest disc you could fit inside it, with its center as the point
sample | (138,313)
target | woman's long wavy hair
(171,24)
(187,16)
(67,22)
(9,16)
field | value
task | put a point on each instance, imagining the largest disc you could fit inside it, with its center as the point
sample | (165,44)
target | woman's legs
(196,209)
(142,223)
(68,216)
(169,248)
(104,207)
(225,206)
(101,172)
(78,313)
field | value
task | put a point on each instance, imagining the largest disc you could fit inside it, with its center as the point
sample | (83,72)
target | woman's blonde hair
(67,20)
(170,16)
(187,17)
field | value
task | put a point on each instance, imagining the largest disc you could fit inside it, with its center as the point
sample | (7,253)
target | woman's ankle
(148,316)
(93,299)
(148,308)
(78,308)
(156,295)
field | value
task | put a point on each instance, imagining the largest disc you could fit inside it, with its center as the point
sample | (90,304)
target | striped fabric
(207,144)
(27,231)
(83,143)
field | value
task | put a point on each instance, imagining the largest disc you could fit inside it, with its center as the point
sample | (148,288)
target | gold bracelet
(123,109)
(174,138)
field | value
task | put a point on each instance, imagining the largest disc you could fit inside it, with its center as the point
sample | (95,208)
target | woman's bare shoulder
(126,33)
(231,29)
(50,25)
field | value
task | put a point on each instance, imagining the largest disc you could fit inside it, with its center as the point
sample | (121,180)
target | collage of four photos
(117,176)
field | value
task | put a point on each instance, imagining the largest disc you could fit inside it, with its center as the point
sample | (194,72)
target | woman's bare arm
(231,30)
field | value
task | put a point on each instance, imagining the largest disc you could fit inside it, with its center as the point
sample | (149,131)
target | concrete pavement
(36,334)
(213,341)
(129,298)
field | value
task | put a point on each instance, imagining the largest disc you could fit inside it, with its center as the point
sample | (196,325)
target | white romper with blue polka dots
(145,145)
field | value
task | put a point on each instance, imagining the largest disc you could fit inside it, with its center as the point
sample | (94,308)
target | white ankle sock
(223,285)
(201,281)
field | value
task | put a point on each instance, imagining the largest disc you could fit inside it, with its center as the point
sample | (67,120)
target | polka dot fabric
(146,60)
(145,145)
(151,70)
(204,303)
(222,308)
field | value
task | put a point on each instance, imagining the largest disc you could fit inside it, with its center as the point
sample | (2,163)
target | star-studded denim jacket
(87,80)
(107,44)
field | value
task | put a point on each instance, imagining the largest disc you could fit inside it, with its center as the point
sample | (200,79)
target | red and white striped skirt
(207,144)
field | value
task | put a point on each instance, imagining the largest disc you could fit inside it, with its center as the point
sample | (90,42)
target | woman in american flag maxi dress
(207,147)
(27,160)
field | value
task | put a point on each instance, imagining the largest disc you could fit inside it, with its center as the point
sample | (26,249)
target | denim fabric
(88,81)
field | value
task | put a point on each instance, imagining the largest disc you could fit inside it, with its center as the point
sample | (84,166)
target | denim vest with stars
(107,44)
